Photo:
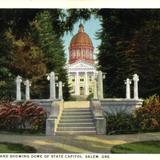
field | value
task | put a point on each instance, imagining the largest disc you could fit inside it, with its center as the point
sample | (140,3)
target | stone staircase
(76,121)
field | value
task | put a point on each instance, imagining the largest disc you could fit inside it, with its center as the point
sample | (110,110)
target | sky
(90,27)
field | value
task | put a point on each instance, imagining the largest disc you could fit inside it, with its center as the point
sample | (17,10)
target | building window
(73,90)
(81,90)
(81,79)
(90,90)
(73,80)
(90,78)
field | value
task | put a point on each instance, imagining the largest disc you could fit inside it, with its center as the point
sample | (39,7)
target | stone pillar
(95,87)
(27,84)
(100,85)
(128,91)
(135,80)
(50,126)
(77,83)
(52,85)
(86,84)
(18,88)
(60,90)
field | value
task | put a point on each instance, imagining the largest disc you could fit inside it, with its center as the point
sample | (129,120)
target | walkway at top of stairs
(77,104)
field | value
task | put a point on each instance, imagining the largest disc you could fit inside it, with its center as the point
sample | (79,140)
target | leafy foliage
(52,46)
(75,15)
(27,59)
(6,75)
(31,46)
(144,55)
(50,43)
(146,118)
(119,122)
(129,45)
(22,116)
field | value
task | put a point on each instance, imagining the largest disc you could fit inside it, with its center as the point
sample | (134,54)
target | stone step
(76,104)
(76,110)
(76,132)
(76,121)
(76,129)
(76,113)
(77,117)
(76,124)
(87,120)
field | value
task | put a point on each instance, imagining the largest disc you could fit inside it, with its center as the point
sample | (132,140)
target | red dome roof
(81,39)
(81,47)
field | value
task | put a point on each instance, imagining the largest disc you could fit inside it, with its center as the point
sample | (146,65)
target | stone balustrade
(54,117)
(99,119)
(114,105)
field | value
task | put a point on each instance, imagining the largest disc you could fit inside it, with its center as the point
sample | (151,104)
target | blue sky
(91,27)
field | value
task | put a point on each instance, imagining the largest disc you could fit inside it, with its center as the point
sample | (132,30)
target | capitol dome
(81,47)
(81,39)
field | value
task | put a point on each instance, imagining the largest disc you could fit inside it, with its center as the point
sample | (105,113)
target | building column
(27,84)
(77,84)
(18,88)
(86,84)
(60,89)
(128,92)
(100,85)
(95,96)
(52,85)
(135,80)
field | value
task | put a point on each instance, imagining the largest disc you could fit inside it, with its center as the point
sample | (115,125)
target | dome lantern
(81,28)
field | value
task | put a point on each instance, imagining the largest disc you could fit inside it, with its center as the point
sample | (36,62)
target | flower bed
(22,116)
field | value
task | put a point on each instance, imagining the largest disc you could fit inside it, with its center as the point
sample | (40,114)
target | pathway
(77,143)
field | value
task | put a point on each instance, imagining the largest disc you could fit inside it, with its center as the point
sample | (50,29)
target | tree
(27,59)
(119,35)
(144,53)
(51,45)
(75,15)
(16,21)
(6,76)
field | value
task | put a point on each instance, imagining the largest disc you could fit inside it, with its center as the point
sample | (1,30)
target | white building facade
(81,67)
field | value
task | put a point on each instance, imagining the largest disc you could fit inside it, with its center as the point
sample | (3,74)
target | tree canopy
(130,45)
(31,45)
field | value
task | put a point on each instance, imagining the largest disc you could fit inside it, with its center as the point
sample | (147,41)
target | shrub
(22,116)
(120,122)
(148,116)
(90,96)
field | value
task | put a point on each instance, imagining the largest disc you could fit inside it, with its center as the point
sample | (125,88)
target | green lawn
(15,148)
(137,147)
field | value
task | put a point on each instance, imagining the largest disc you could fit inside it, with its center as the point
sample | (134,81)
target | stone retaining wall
(113,105)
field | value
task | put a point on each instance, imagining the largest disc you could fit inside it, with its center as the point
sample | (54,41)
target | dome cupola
(81,47)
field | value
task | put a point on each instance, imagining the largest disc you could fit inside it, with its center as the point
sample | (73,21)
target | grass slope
(137,147)
(15,148)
